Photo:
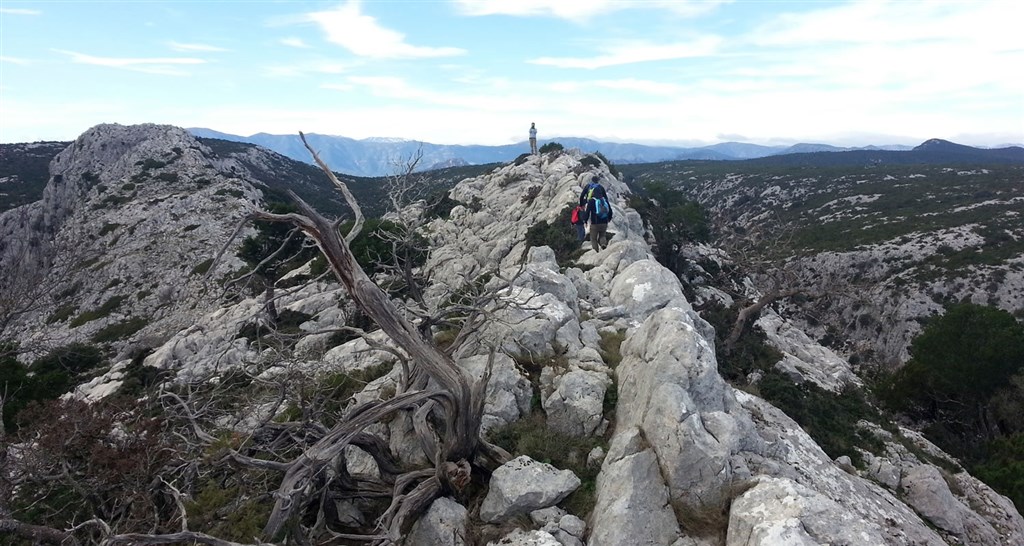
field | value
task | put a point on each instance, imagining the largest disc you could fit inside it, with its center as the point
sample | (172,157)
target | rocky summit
(602,377)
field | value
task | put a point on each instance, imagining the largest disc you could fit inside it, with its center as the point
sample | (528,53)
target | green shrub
(751,351)
(62,313)
(286,327)
(104,310)
(531,436)
(228,509)
(139,378)
(167,177)
(530,194)
(382,243)
(439,205)
(551,147)
(830,418)
(674,220)
(202,267)
(233,193)
(339,387)
(1003,468)
(150,163)
(590,161)
(611,167)
(611,344)
(958,365)
(108,227)
(119,330)
(559,236)
(51,376)
(73,289)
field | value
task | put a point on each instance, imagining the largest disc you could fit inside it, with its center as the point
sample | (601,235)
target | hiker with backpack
(579,219)
(533,138)
(594,199)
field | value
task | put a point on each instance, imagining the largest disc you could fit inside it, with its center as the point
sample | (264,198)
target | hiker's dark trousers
(598,236)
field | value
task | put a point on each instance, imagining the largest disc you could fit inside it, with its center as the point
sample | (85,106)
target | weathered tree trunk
(37,534)
(748,314)
(456,401)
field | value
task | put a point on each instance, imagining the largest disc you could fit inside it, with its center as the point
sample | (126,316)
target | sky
(688,73)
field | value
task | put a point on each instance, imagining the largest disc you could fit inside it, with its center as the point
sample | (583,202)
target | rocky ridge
(890,244)
(690,460)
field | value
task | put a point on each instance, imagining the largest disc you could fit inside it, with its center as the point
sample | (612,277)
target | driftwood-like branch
(749,314)
(36,533)
(185,537)
(357,224)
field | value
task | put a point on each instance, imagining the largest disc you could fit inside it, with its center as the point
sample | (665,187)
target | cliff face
(689,459)
(127,227)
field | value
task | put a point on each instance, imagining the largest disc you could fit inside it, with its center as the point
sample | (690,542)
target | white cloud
(294,42)
(348,27)
(156,65)
(642,86)
(177,46)
(338,86)
(579,10)
(489,96)
(14,60)
(636,52)
(890,22)
(20,11)
(315,66)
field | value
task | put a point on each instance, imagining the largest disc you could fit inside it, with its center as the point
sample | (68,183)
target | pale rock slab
(444,524)
(576,406)
(508,392)
(519,537)
(523,485)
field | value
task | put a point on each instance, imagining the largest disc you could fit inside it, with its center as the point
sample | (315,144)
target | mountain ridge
(377,156)
(603,346)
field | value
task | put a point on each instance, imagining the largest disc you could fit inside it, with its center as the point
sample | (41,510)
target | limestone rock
(632,497)
(444,524)
(576,406)
(508,392)
(523,485)
(519,537)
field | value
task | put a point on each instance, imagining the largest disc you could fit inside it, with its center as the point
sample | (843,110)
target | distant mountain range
(378,156)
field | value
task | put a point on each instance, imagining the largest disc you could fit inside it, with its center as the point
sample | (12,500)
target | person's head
(595,179)
(532,124)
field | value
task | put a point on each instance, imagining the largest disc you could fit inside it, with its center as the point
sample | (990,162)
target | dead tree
(453,448)
(761,255)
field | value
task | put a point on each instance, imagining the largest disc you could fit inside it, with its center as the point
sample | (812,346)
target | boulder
(632,498)
(780,512)
(576,405)
(444,524)
(508,392)
(523,485)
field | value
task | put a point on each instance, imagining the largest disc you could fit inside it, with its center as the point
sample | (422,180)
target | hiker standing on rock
(599,212)
(533,139)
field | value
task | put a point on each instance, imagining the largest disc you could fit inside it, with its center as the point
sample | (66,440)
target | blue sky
(478,72)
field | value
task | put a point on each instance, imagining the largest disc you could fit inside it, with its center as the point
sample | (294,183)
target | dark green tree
(274,250)
(674,220)
(958,364)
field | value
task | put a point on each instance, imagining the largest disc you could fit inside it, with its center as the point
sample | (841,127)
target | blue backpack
(602,211)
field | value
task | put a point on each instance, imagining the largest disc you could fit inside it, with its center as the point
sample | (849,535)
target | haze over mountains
(378,156)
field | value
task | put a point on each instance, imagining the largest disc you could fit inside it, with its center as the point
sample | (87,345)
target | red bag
(576,215)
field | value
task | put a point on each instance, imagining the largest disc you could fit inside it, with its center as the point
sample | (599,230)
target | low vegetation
(559,235)
(45,379)
(965,384)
